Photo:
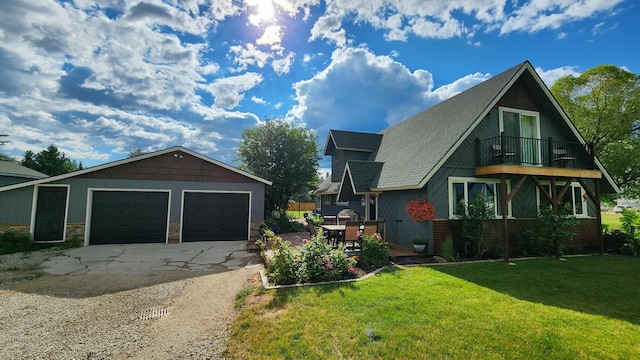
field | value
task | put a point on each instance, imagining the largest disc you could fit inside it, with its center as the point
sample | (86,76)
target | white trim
(250,193)
(520,112)
(34,210)
(574,184)
(463,179)
(90,191)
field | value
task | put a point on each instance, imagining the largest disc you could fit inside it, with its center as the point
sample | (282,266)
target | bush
(629,218)
(14,242)
(614,241)
(448,253)
(280,222)
(374,251)
(320,262)
(548,235)
(283,267)
(472,227)
(316,262)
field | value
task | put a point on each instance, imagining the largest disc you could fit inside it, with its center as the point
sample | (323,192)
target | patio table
(333,232)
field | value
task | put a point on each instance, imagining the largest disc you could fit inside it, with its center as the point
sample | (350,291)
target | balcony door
(522,129)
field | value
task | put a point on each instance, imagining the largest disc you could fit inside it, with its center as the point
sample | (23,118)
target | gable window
(575,197)
(461,189)
(522,129)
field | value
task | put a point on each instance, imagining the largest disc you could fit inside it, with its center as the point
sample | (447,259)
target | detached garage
(169,196)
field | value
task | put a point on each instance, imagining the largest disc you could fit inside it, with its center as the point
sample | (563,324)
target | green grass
(611,220)
(581,308)
(297,214)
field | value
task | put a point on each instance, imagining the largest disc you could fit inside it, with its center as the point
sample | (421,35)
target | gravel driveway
(162,314)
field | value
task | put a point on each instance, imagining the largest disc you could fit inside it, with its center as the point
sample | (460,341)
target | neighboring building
(172,195)
(506,138)
(12,172)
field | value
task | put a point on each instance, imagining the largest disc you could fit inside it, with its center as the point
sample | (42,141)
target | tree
(285,154)
(135,152)
(604,104)
(50,161)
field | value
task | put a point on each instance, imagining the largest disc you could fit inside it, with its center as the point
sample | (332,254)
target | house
(168,196)
(12,173)
(506,138)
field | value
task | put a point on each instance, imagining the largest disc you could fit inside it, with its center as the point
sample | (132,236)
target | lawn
(611,220)
(579,308)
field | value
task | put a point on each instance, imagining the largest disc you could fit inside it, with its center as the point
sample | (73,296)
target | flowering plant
(421,210)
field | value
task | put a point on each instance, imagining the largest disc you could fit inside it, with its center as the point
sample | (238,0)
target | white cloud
(258,100)
(283,66)
(248,55)
(272,36)
(550,76)
(229,91)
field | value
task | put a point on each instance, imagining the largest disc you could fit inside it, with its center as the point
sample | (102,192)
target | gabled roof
(352,141)
(414,149)
(362,176)
(130,160)
(327,187)
(14,169)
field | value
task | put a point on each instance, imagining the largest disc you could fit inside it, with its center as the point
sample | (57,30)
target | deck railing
(505,149)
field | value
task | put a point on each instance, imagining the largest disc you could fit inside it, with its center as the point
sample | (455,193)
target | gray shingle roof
(14,169)
(350,140)
(414,148)
(364,174)
(327,187)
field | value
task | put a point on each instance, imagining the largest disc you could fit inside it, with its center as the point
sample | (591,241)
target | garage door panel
(215,216)
(123,217)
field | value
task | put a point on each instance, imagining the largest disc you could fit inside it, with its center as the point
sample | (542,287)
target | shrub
(14,242)
(448,253)
(472,227)
(316,262)
(374,251)
(280,222)
(549,234)
(615,241)
(629,218)
(320,262)
(283,267)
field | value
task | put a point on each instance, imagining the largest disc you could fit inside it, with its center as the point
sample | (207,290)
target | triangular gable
(358,178)
(436,133)
(92,170)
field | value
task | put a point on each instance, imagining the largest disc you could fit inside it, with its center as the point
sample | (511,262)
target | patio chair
(370,227)
(313,232)
(351,231)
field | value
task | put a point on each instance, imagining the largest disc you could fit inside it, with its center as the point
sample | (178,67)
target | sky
(100,78)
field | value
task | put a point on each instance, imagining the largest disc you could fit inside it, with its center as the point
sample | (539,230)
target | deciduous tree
(282,153)
(604,104)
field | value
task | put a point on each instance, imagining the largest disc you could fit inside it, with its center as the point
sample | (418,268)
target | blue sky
(99,78)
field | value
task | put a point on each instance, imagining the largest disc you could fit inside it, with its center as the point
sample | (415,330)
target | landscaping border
(265,280)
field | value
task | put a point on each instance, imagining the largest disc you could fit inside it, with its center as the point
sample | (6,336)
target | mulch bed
(413,260)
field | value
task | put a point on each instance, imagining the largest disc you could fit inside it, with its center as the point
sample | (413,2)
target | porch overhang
(510,169)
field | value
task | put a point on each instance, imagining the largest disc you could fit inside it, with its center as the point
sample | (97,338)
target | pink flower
(358,234)
(305,241)
(330,265)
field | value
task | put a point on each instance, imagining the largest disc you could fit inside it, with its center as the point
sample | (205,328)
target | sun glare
(265,10)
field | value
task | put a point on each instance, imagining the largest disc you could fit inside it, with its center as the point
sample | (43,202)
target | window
(575,197)
(329,199)
(463,189)
(522,128)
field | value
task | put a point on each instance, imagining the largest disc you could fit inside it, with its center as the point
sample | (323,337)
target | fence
(302,206)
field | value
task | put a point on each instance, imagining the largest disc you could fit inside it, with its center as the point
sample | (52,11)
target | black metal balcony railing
(534,152)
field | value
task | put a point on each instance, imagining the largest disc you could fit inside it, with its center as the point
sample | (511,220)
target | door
(211,216)
(51,211)
(522,131)
(128,217)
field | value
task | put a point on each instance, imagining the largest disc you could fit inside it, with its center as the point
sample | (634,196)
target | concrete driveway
(143,258)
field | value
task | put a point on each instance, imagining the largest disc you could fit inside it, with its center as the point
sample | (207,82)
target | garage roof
(132,159)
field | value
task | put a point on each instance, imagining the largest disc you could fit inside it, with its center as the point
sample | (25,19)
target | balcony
(520,155)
